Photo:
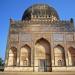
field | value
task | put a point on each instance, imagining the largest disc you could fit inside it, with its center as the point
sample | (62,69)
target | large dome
(41,10)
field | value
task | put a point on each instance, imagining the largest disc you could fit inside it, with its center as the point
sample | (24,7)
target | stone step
(37,73)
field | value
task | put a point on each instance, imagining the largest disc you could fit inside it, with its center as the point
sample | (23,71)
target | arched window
(12,59)
(25,56)
(71,56)
(59,56)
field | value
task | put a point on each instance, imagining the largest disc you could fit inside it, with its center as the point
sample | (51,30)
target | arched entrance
(42,60)
(71,56)
(59,56)
(25,56)
(12,59)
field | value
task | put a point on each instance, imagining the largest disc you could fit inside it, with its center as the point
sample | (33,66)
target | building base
(37,73)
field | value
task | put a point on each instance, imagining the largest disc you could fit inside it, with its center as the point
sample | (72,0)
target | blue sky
(15,9)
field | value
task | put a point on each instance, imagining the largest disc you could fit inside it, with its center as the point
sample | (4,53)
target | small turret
(12,21)
(71,20)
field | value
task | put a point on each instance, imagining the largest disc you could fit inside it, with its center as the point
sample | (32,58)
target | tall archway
(12,59)
(42,61)
(59,56)
(71,56)
(25,56)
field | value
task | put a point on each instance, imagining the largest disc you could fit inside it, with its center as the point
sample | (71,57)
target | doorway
(42,61)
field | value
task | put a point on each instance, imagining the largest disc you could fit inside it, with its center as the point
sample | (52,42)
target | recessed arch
(71,56)
(12,59)
(59,55)
(42,38)
(42,55)
(25,55)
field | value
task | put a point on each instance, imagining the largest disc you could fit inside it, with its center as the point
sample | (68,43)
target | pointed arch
(42,38)
(71,56)
(59,55)
(12,59)
(43,54)
(25,55)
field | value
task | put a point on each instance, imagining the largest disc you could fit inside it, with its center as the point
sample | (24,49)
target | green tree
(1,65)
(1,61)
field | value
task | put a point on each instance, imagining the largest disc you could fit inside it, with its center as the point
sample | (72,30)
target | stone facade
(40,42)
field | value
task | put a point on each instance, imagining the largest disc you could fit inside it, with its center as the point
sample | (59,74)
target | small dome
(41,10)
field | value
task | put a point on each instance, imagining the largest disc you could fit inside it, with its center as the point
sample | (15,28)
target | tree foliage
(1,62)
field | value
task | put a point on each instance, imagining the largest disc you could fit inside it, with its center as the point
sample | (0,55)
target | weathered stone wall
(22,33)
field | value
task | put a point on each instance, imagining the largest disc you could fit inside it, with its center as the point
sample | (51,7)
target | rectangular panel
(25,37)
(45,29)
(69,37)
(14,37)
(35,28)
(58,37)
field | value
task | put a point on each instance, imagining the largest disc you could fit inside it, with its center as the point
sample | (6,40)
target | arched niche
(59,56)
(42,53)
(71,56)
(12,58)
(25,56)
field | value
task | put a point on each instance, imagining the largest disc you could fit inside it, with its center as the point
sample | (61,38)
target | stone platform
(37,73)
